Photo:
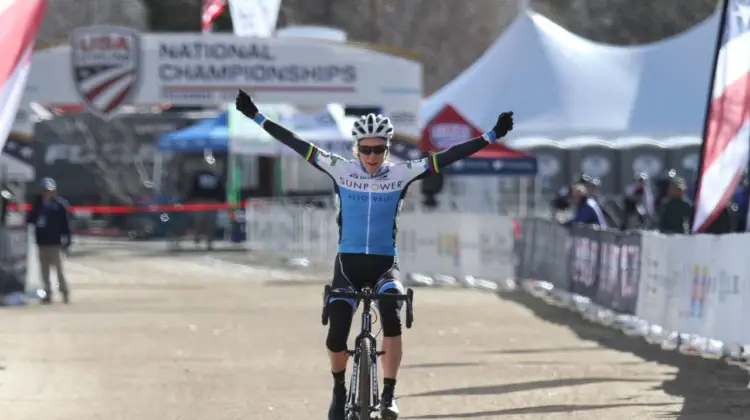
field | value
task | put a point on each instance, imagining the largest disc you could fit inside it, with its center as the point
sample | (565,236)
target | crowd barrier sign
(601,265)
(690,289)
(605,267)
(450,244)
(696,285)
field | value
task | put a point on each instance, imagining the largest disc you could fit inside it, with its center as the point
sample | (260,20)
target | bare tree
(119,161)
(65,15)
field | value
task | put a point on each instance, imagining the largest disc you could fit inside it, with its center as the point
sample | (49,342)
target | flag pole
(724,4)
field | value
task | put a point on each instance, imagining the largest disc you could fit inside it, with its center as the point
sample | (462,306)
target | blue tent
(211,134)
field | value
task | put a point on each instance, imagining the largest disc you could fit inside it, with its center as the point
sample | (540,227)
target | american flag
(211,10)
(726,141)
(19,22)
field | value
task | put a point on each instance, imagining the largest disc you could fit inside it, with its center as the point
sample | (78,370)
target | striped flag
(726,136)
(254,17)
(19,22)
(210,11)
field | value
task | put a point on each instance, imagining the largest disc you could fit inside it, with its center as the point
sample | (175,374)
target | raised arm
(463,150)
(247,107)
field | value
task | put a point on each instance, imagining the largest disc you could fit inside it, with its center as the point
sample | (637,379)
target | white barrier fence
(693,290)
(696,286)
(448,244)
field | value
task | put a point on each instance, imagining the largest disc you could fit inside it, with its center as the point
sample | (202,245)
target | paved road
(170,338)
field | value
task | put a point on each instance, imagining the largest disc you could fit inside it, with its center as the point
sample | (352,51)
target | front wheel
(365,381)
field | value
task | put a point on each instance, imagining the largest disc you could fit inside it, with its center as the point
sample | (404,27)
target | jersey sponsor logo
(371,186)
(106,63)
(377,198)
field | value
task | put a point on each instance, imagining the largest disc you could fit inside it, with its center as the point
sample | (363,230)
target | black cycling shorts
(352,272)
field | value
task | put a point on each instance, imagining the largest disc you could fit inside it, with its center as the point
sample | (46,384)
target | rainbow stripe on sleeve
(311,152)
(432,164)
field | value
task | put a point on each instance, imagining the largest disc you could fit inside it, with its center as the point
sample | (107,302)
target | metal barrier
(542,249)
(435,247)
(292,230)
(594,265)
(13,259)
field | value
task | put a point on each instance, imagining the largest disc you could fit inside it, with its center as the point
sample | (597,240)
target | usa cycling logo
(106,63)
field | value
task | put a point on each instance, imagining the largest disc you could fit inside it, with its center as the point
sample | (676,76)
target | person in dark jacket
(639,207)
(586,210)
(741,201)
(49,215)
(207,188)
(675,212)
(561,201)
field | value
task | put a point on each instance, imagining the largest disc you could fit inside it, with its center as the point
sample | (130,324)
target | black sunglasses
(367,150)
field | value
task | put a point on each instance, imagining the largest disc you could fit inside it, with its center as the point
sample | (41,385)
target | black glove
(244,104)
(503,125)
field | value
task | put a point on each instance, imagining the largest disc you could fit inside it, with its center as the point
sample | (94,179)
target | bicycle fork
(351,403)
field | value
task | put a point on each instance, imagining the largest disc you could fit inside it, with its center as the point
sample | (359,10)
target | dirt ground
(159,337)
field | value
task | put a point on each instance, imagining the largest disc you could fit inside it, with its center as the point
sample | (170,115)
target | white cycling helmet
(372,125)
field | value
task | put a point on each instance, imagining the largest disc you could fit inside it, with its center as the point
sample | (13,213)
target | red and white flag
(726,139)
(211,10)
(19,22)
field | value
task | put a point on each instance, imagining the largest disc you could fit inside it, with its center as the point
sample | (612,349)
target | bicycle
(365,400)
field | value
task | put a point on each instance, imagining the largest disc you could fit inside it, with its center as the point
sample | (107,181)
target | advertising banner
(107,67)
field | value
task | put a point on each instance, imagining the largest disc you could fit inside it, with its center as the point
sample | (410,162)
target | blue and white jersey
(368,206)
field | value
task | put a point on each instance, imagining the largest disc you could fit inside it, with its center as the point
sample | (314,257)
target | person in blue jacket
(49,215)
(586,210)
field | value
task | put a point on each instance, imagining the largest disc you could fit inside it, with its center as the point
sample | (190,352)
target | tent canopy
(448,127)
(324,127)
(211,134)
(556,81)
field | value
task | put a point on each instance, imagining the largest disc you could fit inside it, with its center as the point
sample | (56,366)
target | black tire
(364,394)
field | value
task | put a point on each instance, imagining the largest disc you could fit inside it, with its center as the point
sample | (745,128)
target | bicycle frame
(366,297)
(365,334)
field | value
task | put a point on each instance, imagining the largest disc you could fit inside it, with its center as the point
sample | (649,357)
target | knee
(390,317)
(340,320)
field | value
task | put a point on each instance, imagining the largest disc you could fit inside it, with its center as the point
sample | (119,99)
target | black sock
(389,385)
(339,378)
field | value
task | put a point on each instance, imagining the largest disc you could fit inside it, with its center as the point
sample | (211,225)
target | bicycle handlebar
(367,295)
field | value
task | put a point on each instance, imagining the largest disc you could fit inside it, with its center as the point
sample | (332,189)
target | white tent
(557,81)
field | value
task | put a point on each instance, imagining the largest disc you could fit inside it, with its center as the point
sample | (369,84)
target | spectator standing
(562,200)
(207,188)
(49,215)
(587,211)
(741,201)
(639,207)
(675,211)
